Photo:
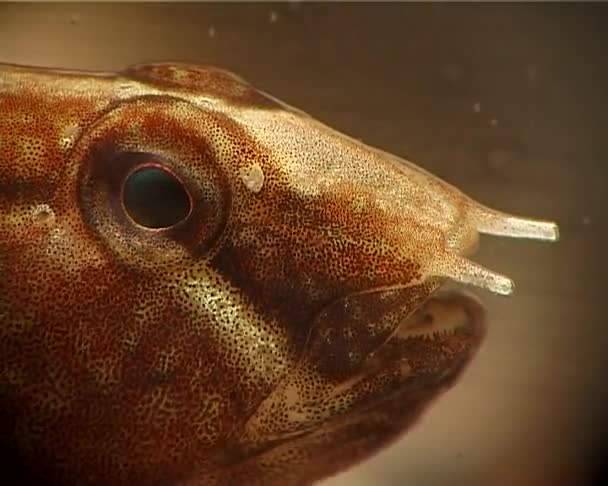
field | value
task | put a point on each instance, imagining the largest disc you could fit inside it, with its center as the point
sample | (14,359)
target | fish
(203,285)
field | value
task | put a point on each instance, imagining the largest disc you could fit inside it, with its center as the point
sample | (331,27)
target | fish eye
(155,198)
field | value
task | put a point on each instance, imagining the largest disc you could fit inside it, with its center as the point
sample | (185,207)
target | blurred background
(508,102)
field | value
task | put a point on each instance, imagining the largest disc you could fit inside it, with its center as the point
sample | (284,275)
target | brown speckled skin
(272,337)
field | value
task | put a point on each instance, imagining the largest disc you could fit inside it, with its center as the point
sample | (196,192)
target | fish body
(202,285)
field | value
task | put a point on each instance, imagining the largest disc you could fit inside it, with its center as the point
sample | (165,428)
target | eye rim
(101,180)
(115,141)
(156,164)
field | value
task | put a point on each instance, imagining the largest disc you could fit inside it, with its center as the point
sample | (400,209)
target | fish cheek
(337,372)
(196,355)
(170,142)
(151,394)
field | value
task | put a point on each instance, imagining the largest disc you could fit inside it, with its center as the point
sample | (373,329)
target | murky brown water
(508,102)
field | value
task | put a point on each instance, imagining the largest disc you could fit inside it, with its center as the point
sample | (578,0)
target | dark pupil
(154,198)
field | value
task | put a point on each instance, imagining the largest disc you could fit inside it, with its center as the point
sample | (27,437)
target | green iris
(154,198)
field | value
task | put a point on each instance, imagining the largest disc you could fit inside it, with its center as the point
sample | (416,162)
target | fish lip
(472,316)
(347,345)
(449,362)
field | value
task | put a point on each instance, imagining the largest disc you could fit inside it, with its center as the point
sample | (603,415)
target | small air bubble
(211,32)
(477,107)
(500,158)
(493,122)
(294,5)
(68,133)
(273,16)
(253,177)
(532,73)
(43,214)
(452,72)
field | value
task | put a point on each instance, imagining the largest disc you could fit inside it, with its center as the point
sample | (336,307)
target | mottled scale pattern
(285,328)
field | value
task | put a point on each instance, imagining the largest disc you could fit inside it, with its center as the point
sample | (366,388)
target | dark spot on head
(201,80)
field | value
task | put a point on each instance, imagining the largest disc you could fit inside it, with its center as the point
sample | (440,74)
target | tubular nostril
(461,270)
(154,198)
(493,222)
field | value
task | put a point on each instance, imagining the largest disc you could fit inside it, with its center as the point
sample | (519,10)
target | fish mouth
(435,342)
(441,316)
(423,356)
(397,330)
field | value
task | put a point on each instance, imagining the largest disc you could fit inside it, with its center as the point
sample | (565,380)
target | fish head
(201,284)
